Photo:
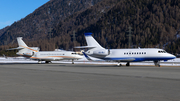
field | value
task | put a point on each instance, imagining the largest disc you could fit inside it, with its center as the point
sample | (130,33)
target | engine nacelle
(35,48)
(101,52)
(28,54)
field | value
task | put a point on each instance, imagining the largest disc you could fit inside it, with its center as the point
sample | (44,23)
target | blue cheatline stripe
(87,34)
(139,59)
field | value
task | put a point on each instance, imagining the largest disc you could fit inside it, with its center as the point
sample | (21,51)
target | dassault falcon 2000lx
(47,56)
(124,55)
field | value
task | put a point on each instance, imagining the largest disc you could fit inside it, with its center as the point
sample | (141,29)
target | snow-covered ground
(174,62)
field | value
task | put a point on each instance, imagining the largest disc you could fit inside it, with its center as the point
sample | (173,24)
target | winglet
(87,57)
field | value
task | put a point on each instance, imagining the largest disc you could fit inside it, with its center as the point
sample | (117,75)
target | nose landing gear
(127,64)
(157,63)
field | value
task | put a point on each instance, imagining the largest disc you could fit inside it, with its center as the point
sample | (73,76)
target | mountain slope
(38,24)
(154,24)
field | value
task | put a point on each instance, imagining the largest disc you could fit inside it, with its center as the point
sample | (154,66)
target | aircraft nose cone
(173,56)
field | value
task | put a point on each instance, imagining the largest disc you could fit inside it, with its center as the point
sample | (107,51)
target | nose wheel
(157,63)
(127,64)
(72,61)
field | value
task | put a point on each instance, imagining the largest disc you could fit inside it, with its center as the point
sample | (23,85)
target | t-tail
(21,43)
(94,48)
(91,42)
(24,50)
(24,46)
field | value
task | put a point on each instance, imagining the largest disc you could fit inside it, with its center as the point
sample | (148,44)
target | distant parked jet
(47,56)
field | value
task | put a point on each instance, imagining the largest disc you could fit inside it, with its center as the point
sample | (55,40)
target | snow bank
(173,62)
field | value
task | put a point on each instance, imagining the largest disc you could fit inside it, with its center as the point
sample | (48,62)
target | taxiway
(83,82)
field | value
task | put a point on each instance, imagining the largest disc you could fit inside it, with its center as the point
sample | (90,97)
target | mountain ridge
(154,24)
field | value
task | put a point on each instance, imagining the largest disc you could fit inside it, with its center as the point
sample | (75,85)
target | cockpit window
(73,53)
(162,51)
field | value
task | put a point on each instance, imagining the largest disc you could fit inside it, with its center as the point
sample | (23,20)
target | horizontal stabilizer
(89,47)
(19,48)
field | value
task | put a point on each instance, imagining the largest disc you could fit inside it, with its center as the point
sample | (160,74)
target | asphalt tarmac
(84,82)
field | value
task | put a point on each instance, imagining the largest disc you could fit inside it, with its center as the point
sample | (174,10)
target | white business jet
(47,56)
(124,55)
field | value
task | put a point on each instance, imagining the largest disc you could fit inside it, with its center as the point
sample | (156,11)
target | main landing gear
(127,64)
(48,62)
(39,62)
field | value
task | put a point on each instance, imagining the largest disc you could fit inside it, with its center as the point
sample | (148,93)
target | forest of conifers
(155,24)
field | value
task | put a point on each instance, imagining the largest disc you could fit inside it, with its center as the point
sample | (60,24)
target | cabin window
(135,53)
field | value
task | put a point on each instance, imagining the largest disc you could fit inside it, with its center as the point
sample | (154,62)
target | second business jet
(47,56)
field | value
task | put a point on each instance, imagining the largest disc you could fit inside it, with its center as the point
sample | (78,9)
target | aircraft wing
(124,60)
(108,59)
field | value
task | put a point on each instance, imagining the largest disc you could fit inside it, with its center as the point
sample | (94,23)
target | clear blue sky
(14,10)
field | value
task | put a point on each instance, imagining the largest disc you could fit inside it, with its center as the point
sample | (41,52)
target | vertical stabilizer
(91,41)
(21,42)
